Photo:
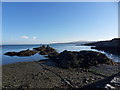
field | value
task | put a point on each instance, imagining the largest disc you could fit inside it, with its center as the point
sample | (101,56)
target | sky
(55,22)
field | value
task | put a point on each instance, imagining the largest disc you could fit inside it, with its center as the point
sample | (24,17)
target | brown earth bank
(40,74)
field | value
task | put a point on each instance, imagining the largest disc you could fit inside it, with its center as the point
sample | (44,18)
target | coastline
(68,69)
(37,74)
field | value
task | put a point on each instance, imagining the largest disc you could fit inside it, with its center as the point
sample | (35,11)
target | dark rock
(53,56)
(111,46)
(112,50)
(45,50)
(85,80)
(21,53)
(25,86)
(85,59)
(11,53)
(108,83)
(43,53)
(26,53)
(41,48)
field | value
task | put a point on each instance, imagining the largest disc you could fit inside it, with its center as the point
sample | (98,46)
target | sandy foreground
(39,74)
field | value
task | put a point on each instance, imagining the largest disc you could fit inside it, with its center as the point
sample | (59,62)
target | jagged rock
(21,53)
(40,48)
(45,50)
(83,59)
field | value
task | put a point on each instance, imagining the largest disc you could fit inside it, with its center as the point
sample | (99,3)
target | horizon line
(59,42)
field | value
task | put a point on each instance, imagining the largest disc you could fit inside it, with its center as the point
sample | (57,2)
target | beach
(37,74)
(66,69)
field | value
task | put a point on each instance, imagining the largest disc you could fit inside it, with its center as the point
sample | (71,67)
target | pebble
(108,86)
(92,79)
(85,80)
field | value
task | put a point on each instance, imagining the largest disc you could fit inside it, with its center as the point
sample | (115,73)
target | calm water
(59,47)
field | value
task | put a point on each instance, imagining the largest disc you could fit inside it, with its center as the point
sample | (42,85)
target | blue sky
(50,22)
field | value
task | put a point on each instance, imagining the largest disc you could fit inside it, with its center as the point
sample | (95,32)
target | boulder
(83,59)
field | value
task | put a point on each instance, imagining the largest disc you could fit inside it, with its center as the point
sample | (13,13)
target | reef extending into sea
(68,69)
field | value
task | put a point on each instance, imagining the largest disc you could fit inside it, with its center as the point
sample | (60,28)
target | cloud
(25,37)
(34,38)
(29,38)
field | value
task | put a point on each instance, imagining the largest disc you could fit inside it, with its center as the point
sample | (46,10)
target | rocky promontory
(110,46)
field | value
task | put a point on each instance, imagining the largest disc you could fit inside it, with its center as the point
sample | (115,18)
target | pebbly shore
(68,69)
(40,74)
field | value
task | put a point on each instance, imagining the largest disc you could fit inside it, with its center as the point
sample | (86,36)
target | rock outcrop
(111,46)
(21,53)
(109,83)
(45,50)
(84,59)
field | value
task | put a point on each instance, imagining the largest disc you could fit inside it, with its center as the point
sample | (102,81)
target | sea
(59,47)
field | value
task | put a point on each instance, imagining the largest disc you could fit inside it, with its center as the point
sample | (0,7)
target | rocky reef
(67,59)
(110,46)
(83,59)
(45,50)
(75,69)
(22,53)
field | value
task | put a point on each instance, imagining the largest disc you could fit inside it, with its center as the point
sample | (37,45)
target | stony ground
(37,74)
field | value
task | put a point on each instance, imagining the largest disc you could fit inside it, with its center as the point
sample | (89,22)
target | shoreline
(80,50)
(40,60)
(68,69)
(31,74)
